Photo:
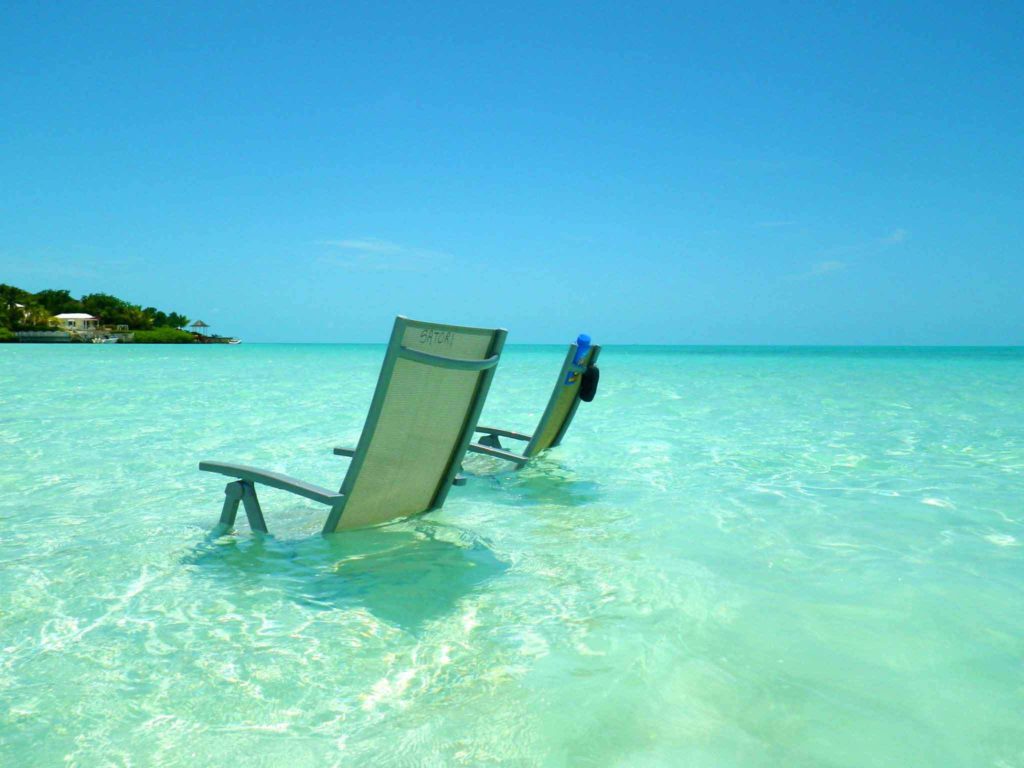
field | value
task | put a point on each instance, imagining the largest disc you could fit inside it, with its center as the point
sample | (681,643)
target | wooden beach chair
(577,380)
(431,389)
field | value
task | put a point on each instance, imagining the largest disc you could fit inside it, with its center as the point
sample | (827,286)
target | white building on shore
(78,322)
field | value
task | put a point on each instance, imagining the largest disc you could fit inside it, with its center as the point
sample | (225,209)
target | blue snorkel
(582,347)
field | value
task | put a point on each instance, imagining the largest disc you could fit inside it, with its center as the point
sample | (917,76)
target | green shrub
(6,335)
(163,336)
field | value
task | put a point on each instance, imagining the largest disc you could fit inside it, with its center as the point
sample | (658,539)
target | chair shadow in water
(542,482)
(405,574)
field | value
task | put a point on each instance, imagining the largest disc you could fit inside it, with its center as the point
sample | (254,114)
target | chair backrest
(565,398)
(428,399)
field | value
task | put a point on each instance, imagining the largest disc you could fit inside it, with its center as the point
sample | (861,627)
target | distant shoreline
(158,336)
(56,317)
(739,350)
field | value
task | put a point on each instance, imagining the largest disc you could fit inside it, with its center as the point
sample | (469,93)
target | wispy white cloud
(838,258)
(897,236)
(371,254)
(365,245)
(52,264)
(827,267)
(820,269)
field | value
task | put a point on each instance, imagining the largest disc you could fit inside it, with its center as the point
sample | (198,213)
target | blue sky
(660,173)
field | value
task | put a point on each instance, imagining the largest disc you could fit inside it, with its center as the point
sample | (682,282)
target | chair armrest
(273,480)
(503,433)
(457,480)
(497,453)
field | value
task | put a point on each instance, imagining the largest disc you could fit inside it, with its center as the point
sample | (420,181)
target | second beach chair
(577,380)
(431,389)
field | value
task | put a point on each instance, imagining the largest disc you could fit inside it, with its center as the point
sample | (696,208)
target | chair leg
(252,507)
(232,495)
(491,441)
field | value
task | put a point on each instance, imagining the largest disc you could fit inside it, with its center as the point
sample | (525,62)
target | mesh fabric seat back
(563,403)
(419,424)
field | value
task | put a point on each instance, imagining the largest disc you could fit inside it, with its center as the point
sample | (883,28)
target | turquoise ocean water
(738,557)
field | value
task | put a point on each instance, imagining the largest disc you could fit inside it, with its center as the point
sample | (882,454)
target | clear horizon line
(693,344)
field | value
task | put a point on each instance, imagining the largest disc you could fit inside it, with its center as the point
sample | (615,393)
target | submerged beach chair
(429,395)
(576,381)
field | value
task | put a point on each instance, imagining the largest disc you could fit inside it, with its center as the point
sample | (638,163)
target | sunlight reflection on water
(738,557)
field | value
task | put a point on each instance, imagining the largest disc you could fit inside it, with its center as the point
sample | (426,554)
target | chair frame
(243,489)
(490,443)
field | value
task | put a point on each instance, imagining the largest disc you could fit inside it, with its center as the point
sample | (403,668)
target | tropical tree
(164,320)
(157,318)
(107,308)
(10,298)
(20,311)
(175,320)
(57,301)
(114,311)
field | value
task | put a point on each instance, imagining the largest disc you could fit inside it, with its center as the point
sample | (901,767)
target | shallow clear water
(747,557)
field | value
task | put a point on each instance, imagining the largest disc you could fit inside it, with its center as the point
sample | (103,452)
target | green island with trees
(22,311)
